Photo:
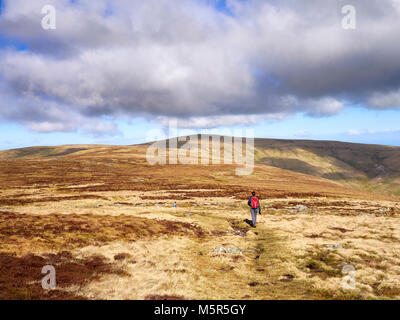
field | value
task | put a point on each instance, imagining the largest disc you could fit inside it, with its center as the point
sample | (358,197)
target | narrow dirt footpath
(245,263)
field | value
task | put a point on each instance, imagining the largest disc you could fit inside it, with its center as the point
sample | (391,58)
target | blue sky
(251,78)
(353,125)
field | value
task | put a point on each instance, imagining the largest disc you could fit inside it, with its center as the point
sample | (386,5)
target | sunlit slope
(105,218)
(116,168)
(367,167)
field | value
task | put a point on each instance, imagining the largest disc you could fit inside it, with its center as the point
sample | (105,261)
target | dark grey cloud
(184,59)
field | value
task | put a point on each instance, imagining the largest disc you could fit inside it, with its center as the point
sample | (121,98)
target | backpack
(254,202)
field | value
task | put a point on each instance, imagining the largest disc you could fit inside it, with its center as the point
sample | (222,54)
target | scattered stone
(228,250)
(334,246)
(188,214)
(237,231)
(137,180)
(301,207)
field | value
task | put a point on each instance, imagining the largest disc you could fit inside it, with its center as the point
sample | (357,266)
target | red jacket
(249,202)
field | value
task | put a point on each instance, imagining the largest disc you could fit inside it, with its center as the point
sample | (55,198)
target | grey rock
(233,250)
(301,207)
(334,246)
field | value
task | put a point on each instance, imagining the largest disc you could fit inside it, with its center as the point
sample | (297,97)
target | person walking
(255,206)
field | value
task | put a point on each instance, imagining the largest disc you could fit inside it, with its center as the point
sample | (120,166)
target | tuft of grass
(322,264)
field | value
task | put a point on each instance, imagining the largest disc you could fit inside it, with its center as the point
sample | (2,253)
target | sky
(113,71)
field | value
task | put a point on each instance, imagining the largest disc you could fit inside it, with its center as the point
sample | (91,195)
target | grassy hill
(373,168)
(105,218)
(121,167)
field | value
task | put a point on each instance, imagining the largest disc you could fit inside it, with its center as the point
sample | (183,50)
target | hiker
(254,205)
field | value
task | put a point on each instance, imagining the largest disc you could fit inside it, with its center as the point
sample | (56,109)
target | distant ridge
(366,167)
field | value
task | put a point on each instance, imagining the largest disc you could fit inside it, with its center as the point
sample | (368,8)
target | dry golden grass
(106,219)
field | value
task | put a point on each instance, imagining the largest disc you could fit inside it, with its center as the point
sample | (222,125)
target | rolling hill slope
(370,168)
(106,219)
(366,167)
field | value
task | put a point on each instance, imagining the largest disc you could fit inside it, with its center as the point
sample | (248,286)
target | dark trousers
(254,216)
